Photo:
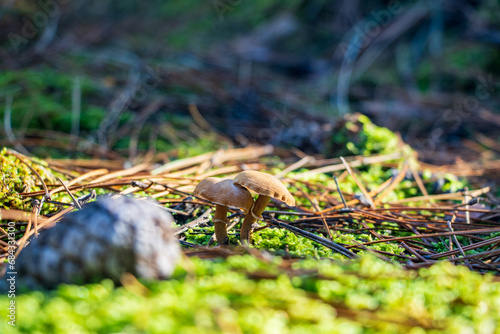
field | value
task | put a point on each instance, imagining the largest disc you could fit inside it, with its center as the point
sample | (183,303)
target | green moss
(42,100)
(244,294)
(17,178)
(196,146)
(199,236)
(374,139)
(444,246)
(276,240)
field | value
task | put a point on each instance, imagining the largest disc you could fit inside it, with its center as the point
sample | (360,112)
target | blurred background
(142,80)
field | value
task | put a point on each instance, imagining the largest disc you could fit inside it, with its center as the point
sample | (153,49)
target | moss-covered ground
(289,284)
(243,294)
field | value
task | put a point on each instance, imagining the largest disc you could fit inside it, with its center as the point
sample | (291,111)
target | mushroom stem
(251,217)
(220,217)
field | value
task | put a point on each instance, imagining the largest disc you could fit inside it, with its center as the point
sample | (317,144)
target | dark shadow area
(123,78)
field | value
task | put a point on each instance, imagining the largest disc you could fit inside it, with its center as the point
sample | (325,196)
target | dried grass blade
(393,185)
(316,209)
(358,183)
(83,177)
(443,234)
(121,173)
(302,162)
(355,163)
(450,196)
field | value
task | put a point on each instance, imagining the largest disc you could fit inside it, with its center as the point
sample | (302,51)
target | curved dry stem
(251,217)
(220,226)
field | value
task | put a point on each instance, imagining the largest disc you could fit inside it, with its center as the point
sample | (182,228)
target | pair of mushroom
(236,193)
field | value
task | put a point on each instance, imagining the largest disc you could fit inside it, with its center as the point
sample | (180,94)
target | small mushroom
(224,193)
(267,187)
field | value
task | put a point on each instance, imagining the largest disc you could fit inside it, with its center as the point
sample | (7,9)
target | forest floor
(394,161)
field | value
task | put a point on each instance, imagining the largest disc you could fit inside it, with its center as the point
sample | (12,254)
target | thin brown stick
(444,234)
(77,204)
(316,208)
(392,186)
(358,183)
(79,179)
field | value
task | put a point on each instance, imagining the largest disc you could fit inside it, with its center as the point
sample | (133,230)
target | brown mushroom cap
(224,192)
(264,184)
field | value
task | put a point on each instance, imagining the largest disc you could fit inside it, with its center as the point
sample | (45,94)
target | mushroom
(266,186)
(224,193)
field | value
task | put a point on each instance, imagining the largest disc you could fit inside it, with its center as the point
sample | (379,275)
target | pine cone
(105,239)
